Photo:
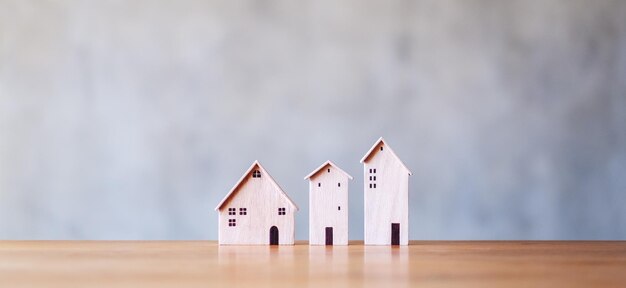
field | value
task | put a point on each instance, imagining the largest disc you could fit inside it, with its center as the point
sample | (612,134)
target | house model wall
(256,211)
(386,187)
(328,205)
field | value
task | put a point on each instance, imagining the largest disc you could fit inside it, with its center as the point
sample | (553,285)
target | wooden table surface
(206,264)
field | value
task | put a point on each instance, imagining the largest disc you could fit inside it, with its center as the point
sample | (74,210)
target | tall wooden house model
(328,205)
(256,211)
(386,188)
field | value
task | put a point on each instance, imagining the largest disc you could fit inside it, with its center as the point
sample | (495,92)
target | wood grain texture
(207,264)
(328,205)
(386,199)
(261,197)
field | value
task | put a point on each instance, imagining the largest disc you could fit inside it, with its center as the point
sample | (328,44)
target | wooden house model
(328,205)
(256,211)
(386,188)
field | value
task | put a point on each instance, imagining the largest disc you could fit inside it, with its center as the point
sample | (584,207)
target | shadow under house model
(328,205)
(386,188)
(256,211)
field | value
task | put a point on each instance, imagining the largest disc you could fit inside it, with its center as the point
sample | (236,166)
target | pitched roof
(388,148)
(324,165)
(255,164)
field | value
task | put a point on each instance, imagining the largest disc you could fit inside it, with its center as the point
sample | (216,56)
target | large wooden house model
(256,211)
(328,205)
(386,188)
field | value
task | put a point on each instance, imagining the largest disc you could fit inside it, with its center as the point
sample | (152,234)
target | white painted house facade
(386,188)
(256,211)
(328,205)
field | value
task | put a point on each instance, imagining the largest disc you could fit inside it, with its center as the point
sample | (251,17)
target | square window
(243,211)
(282,211)
(256,174)
(232,222)
(231,211)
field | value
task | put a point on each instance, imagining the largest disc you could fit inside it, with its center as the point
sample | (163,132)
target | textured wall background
(131,119)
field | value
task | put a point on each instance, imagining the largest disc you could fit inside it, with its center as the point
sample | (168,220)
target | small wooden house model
(256,211)
(328,205)
(386,188)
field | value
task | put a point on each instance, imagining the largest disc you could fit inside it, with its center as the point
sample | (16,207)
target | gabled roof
(387,148)
(255,164)
(324,165)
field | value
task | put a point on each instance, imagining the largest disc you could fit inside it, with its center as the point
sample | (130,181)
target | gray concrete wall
(131,119)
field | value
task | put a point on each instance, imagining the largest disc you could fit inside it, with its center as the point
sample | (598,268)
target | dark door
(329,235)
(395,233)
(273,235)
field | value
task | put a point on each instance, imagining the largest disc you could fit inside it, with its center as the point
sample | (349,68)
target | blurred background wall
(132,119)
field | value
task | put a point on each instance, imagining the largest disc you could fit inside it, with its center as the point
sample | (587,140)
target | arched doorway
(274,235)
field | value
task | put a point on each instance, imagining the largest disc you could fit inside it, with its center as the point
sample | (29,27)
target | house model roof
(327,163)
(254,165)
(373,151)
